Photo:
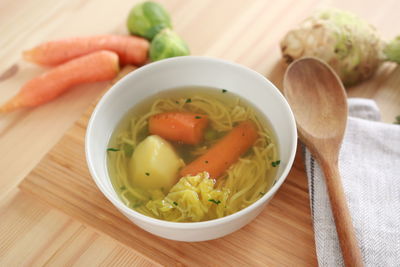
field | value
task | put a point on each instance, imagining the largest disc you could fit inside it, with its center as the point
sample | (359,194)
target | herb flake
(112,149)
(262,193)
(176,204)
(122,188)
(189,100)
(147,174)
(215,201)
(197,117)
(275,163)
(224,91)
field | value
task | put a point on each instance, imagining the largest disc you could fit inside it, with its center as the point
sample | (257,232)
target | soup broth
(151,183)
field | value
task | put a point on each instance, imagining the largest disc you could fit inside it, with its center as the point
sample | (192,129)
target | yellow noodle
(242,184)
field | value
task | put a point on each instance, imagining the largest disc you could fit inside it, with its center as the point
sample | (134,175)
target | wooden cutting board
(281,234)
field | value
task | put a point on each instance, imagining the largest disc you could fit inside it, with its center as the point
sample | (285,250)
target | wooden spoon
(318,100)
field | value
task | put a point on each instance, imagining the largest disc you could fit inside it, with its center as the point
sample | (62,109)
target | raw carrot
(183,127)
(98,66)
(225,152)
(131,49)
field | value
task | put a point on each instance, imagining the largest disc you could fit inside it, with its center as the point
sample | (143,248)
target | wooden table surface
(247,32)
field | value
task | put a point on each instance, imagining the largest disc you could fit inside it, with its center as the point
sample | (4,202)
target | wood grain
(247,32)
(26,242)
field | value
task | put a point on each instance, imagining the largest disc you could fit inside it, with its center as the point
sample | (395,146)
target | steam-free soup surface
(192,154)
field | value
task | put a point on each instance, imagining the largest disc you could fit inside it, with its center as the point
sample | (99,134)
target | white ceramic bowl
(178,72)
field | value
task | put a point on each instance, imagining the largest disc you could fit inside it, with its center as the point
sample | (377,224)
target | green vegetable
(397,120)
(392,50)
(147,19)
(346,42)
(167,44)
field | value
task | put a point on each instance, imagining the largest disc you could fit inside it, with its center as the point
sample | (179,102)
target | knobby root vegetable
(346,42)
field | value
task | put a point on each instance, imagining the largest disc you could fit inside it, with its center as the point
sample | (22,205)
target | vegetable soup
(192,154)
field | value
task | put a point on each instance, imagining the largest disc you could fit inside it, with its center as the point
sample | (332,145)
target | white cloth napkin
(369,163)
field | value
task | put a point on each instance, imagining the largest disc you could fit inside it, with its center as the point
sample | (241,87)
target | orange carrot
(98,66)
(225,152)
(184,127)
(131,49)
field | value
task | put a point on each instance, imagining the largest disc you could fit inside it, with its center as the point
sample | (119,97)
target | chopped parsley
(275,163)
(224,91)
(147,174)
(214,201)
(274,182)
(176,204)
(197,117)
(262,193)
(189,100)
(113,149)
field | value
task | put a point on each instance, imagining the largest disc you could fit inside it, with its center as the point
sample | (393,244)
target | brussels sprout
(147,19)
(167,44)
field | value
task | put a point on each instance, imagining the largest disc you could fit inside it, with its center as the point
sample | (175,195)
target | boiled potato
(155,164)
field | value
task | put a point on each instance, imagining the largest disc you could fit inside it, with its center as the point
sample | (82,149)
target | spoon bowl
(318,101)
(317,98)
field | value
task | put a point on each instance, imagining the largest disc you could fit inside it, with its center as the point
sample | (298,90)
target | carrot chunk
(130,49)
(98,66)
(183,127)
(225,152)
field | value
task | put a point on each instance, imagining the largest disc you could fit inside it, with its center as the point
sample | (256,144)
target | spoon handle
(347,238)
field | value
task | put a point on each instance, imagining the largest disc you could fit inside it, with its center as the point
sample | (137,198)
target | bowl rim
(189,225)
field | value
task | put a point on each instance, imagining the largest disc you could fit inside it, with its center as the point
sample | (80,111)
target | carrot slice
(183,127)
(225,152)
(131,49)
(98,66)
